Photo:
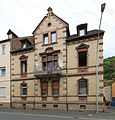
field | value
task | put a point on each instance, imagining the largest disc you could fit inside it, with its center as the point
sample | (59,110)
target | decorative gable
(50,22)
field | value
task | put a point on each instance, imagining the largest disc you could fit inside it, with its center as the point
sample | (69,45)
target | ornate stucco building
(55,70)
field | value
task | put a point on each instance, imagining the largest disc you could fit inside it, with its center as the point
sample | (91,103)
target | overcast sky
(22,17)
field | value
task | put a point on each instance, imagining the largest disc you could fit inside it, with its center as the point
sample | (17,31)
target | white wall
(107,93)
(5,80)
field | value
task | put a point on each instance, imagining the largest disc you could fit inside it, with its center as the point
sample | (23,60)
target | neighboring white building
(5,70)
(5,73)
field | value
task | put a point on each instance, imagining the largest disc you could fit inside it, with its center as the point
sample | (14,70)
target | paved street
(11,114)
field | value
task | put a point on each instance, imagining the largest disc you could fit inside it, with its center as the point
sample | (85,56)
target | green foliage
(109,68)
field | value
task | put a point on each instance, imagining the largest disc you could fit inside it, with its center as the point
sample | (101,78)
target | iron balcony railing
(54,72)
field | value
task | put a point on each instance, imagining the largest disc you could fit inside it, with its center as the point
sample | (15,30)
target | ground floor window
(55,88)
(82,88)
(23,89)
(44,88)
(2,91)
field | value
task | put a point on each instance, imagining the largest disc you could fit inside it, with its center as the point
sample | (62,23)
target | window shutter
(55,84)
(44,85)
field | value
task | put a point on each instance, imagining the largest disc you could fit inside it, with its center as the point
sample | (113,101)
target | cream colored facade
(54,68)
(76,73)
(5,73)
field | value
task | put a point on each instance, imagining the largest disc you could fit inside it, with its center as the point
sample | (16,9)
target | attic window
(24,45)
(82,32)
(10,36)
(82,29)
(49,24)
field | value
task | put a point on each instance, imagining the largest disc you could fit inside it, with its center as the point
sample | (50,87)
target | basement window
(82,106)
(44,105)
(55,106)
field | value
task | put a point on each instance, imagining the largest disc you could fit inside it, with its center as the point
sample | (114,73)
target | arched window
(82,87)
(24,89)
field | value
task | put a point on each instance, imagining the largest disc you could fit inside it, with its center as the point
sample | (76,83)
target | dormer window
(10,36)
(24,45)
(81,32)
(82,29)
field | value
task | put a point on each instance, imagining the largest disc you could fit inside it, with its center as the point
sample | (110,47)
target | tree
(109,68)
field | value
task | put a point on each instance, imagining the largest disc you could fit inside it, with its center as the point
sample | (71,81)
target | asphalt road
(29,116)
(14,114)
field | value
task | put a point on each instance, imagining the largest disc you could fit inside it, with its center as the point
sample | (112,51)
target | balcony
(54,72)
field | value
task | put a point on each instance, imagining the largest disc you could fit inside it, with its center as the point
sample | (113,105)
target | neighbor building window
(2,71)
(23,89)
(2,91)
(53,37)
(3,49)
(44,88)
(10,36)
(23,66)
(55,88)
(82,88)
(82,58)
(45,38)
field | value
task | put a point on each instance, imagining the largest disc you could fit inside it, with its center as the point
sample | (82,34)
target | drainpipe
(66,77)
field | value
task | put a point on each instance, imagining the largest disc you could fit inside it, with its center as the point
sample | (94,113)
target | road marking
(40,115)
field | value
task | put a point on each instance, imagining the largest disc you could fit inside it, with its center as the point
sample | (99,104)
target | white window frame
(3,91)
(3,49)
(45,39)
(53,37)
(82,32)
(22,90)
(10,36)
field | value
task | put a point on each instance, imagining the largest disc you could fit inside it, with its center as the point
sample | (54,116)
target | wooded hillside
(109,68)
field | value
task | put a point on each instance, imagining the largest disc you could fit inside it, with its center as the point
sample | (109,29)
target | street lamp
(97,59)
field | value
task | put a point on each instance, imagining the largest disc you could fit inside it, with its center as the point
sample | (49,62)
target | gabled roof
(52,14)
